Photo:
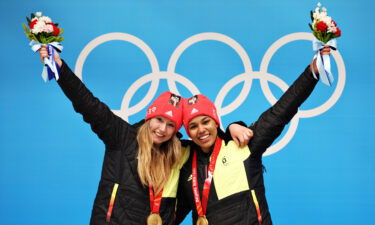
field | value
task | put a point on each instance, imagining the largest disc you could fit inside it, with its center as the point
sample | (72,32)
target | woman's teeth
(203,137)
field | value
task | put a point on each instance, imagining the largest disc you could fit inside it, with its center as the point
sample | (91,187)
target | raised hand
(43,52)
(324,51)
(241,135)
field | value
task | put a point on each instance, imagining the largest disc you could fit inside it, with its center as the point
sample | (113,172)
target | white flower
(315,15)
(320,16)
(45,19)
(38,14)
(319,5)
(327,20)
(48,28)
(332,29)
(324,9)
(38,27)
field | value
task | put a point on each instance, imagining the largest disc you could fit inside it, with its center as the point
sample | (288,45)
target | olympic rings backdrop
(242,54)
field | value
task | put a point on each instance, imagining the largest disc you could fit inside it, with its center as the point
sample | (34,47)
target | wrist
(313,67)
(59,62)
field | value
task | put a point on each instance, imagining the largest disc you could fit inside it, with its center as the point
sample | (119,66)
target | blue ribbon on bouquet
(50,70)
(323,61)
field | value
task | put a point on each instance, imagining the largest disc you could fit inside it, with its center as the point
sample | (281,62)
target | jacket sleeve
(271,122)
(102,120)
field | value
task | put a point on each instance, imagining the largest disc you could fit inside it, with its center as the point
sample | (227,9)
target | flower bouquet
(325,31)
(42,31)
(324,27)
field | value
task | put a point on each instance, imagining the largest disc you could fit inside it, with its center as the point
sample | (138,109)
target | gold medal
(202,220)
(154,219)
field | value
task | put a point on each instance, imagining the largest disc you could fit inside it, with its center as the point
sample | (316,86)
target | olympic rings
(247,77)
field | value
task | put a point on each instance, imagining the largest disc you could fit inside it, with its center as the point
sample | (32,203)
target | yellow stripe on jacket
(230,173)
(170,188)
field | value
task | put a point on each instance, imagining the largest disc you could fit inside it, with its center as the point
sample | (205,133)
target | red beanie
(198,105)
(167,105)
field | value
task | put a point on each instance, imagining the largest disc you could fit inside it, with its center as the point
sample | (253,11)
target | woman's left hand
(241,135)
(324,51)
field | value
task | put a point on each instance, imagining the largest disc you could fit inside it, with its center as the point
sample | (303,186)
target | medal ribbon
(202,206)
(155,201)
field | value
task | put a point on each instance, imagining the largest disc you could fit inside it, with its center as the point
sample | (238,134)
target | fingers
(244,139)
(43,52)
(326,50)
(241,139)
(250,133)
(241,135)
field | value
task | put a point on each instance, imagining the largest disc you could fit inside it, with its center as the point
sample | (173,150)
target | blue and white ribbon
(50,68)
(323,61)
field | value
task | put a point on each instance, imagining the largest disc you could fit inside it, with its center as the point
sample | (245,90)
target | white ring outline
(340,68)
(247,77)
(214,37)
(137,42)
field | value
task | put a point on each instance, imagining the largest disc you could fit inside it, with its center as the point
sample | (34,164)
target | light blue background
(50,161)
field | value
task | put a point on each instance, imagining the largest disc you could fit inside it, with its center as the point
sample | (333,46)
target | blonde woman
(142,162)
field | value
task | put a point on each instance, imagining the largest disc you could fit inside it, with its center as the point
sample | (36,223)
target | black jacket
(238,185)
(131,202)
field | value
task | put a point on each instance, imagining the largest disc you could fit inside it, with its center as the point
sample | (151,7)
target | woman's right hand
(43,52)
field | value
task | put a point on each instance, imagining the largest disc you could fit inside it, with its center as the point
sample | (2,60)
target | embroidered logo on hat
(151,110)
(169,113)
(193,100)
(174,100)
(194,110)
